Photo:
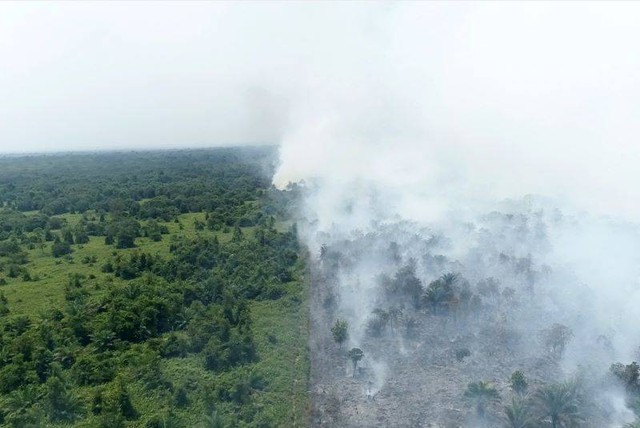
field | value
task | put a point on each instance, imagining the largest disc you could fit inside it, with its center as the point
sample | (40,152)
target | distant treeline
(145,184)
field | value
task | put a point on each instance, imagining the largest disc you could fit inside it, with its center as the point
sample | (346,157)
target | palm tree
(340,332)
(356,355)
(18,406)
(559,404)
(168,420)
(382,318)
(519,383)
(213,420)
(449,279)
(482,393)
(60,403)
(556,338)
(395,313)
(39,238)
(518,415)
(440,292)
(436,295)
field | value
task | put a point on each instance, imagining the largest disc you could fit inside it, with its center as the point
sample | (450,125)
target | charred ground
(473,333)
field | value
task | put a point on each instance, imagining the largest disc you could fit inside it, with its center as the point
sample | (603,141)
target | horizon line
(131,150)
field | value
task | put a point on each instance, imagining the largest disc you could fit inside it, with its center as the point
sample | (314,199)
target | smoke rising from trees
(470,174)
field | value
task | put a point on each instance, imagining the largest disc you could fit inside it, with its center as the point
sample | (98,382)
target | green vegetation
(150,290)
(482,394)
(559,403)
(628,376)
(340,332)
(517,414)
(355,354)
(518,383)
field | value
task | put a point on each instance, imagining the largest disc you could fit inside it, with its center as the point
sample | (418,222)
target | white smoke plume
(429,119)
(487,100)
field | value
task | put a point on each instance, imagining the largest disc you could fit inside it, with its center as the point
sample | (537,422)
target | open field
(33,297)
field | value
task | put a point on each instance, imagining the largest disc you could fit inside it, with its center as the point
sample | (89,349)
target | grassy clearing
(31,298)
(280,331)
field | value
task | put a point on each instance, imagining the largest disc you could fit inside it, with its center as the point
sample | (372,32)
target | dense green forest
(150,289)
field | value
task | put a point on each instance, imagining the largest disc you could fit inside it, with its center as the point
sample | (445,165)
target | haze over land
(474,91)
(472,152)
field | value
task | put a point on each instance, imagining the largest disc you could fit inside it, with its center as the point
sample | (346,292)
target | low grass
(51,274)
(281,335)
(280,329)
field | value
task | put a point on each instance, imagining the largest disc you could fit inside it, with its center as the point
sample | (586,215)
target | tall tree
(482,394)
(340,332)
(558,404)
(517,414)
(556,338)
(518,383)
(60,402)
(355,354)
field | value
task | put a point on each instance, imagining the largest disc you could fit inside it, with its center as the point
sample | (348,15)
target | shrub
(462,353)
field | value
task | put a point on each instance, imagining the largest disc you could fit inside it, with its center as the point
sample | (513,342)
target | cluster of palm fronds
(557,405)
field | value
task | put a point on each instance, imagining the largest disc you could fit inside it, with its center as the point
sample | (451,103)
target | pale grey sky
(500,85)
(95,75)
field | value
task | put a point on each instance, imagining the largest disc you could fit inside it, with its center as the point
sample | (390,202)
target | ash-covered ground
(480,325)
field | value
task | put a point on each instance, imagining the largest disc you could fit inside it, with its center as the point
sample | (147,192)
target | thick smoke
(493,141)
(488,100)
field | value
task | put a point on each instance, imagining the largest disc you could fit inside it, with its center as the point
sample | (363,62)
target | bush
(60,248)
(180,397)
(462,353)
(60,403)
(88,370)
(13,271)
(116,402)
(174,345)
